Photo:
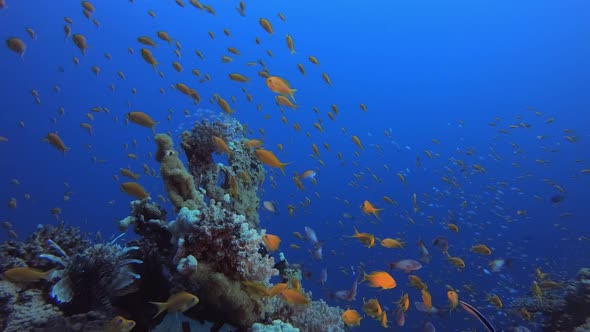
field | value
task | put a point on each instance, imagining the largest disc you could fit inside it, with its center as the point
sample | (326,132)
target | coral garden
(213,249)
(561,307)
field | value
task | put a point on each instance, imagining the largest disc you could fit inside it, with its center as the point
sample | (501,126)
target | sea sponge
(180,185)
(221,299)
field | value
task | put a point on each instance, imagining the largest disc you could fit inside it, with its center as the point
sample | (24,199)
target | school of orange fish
(454,173)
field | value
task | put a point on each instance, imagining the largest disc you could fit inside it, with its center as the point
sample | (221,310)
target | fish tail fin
(161,306)
(282,167)
(365,275)
(356,231)
(292,94)
(376,213)
(47,275)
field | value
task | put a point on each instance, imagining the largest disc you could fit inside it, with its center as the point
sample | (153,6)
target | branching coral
(180,185)
(91,278)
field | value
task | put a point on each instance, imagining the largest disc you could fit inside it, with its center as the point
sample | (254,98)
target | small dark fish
(442,243)
(474,312)
(557,199)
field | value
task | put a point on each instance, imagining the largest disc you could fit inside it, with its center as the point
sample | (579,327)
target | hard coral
(149,221)
(239,179)
(13,253)
(24,310)
(563,309)
(276,326)
(225,241)
(91,278)
(318,316)
(180,185)
(198,144)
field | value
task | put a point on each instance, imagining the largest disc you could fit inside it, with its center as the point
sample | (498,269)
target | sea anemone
(90,279)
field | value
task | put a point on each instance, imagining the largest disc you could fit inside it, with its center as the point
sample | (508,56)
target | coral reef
(15,253)
(316,317)
(24,310)
(563,308)
(213,249)
(226,241)
(239,179)
(221,298)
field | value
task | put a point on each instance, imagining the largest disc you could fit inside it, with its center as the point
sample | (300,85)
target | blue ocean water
(425,70)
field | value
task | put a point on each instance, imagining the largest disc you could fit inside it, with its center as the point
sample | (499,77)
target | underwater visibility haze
(294,165)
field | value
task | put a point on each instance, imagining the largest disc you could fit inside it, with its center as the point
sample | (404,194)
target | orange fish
(426,298)
(380,279)
(453,299)
(56,141)
(142,119)
(268,158)
(16,45)
(26,274)
(179,302)
(276,289)
(392,243)
(271,242)
(404,302)
(280,85)
(368,208)
(372,308)
(366,238)
(351,317)
(357,142)
(293,296)
(134,189)
(253,143)
(220,145)
(266,25)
